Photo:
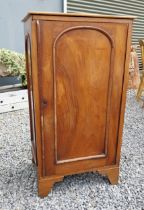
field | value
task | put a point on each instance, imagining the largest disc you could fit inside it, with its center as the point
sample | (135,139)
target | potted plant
(12,68)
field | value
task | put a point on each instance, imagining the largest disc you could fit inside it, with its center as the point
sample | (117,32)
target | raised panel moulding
(73,112)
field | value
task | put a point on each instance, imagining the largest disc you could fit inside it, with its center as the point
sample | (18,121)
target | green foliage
(15,63)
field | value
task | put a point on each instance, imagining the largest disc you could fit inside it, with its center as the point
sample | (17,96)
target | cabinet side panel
(29,84)
(31,67)
(36,95)
(124,90)
(30,94)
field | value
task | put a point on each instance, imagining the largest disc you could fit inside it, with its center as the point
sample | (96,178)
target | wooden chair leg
(139,92)
(112,174)
(141,85)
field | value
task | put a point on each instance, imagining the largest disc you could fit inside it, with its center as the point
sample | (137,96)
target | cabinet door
(81,67)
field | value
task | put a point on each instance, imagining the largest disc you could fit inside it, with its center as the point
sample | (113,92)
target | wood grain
(51,75)
(47,14)
(78,97)
(79,78)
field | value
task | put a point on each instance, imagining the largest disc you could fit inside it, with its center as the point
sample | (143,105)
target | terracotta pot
(3,70)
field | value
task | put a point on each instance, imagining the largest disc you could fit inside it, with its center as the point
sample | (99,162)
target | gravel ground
(88,191)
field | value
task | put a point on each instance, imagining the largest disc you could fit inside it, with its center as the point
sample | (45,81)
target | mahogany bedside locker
(77,71)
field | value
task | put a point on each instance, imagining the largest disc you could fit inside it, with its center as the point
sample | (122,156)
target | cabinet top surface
(77,15)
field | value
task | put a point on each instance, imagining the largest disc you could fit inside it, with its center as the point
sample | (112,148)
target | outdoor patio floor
(88,191)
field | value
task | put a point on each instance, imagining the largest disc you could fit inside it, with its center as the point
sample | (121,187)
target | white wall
(11,14)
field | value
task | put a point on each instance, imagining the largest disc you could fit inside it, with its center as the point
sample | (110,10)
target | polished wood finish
(77,67)
(46,15)
(111,173)
(45,184)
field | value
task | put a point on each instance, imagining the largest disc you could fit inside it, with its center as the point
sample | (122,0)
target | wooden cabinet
(77,67)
